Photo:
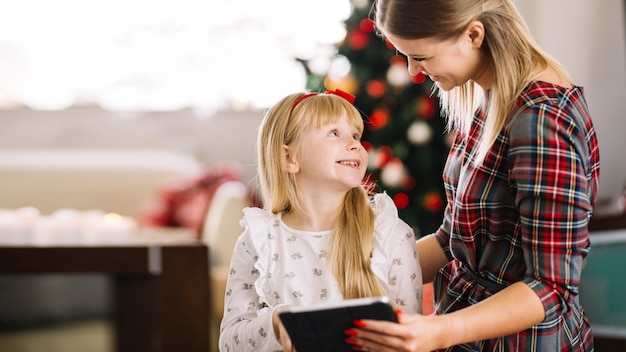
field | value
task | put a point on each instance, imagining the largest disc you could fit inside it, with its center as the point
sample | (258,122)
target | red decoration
(367,25)
(347,96)
(408,183)
(418,78)
(183,201)
(426,107)
(368,146)
(401,200)
(375,88)
(383,156)
(358,40)
(378,119)
(398,60)
(369,184)
(433,202)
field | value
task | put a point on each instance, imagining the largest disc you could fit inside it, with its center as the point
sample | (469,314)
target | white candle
(9,227)
(27,217)
(91,225)
(67,223)
(119,228)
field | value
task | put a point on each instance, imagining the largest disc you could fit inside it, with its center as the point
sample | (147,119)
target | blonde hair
(516,58)
(352,239)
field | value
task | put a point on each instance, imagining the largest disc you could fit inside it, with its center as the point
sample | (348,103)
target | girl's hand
(281,333)
(284,339)
(411,333)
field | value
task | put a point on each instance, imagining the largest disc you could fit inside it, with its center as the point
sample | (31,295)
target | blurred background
(181,86)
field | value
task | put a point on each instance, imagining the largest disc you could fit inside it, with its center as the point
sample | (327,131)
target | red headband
(347,96)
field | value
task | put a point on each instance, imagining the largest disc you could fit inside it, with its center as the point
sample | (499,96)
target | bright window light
(146,55)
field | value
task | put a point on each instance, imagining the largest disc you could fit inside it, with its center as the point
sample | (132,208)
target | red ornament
(367,25)
(383,156)
(378,119)
(375,88)
(408,183)
(367,146)
(426,107)
(358,40)
(398,60)
(432,202)
(389,45)
(369,185)
(401,200)
(418,78)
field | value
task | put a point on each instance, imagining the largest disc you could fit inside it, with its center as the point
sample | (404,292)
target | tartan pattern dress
(522,215)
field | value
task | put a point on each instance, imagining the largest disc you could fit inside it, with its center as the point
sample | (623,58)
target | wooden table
(160,284)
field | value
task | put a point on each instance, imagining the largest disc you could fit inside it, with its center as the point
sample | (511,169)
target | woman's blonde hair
(283,125)
(515,56)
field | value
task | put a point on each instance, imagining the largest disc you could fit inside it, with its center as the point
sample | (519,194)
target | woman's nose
(414,68)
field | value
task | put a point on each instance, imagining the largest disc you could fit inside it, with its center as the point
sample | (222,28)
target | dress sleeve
(398,265)
(247,323)
(548,172)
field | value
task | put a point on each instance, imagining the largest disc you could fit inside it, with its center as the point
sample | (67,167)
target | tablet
(320,327)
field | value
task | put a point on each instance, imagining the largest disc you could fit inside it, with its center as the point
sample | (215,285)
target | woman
(521,182)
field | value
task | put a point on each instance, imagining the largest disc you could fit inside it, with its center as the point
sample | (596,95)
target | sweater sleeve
(548,171)
(247,322)
(398,264)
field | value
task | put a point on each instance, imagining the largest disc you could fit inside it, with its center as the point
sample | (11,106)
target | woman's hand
(411,333)
(513,309)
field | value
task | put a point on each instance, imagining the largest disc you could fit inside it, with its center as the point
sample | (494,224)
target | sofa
(118,181)
(154,187)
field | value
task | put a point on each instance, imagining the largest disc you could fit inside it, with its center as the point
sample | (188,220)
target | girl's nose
(355,145)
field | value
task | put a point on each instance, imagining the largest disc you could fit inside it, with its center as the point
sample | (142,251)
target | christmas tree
(404,133)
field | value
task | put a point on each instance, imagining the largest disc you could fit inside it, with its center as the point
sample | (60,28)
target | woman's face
(449,63)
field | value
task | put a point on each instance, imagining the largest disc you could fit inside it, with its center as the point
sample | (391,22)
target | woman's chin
(445,86)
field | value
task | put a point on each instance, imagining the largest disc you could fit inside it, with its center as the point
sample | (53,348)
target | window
(160,55)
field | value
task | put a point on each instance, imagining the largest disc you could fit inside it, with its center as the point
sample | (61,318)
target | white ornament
(419,133)
(393,173)
(398,75)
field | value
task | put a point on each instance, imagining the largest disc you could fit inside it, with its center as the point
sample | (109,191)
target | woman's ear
(476,33)
(290,164)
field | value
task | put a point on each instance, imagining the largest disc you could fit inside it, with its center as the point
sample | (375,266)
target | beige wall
(589,38)
(221,138)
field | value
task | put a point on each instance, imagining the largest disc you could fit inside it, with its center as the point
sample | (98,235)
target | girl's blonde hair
(352,244)
(515,56)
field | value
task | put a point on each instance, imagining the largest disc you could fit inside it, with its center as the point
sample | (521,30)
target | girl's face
(448,63)
(331,157)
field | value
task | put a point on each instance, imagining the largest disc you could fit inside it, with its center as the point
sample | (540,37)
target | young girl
(521,182)
(320,237)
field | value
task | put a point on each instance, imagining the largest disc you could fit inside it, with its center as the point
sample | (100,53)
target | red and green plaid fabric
(522,216)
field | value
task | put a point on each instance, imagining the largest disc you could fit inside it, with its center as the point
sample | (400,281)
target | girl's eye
(418,59)
(334,133)
(357,137)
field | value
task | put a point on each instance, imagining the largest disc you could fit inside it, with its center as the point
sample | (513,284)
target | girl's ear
(289,163)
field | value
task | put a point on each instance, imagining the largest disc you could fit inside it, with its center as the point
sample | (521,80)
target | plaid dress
(522,216)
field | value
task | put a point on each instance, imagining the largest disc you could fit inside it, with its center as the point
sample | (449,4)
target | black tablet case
(323,330)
